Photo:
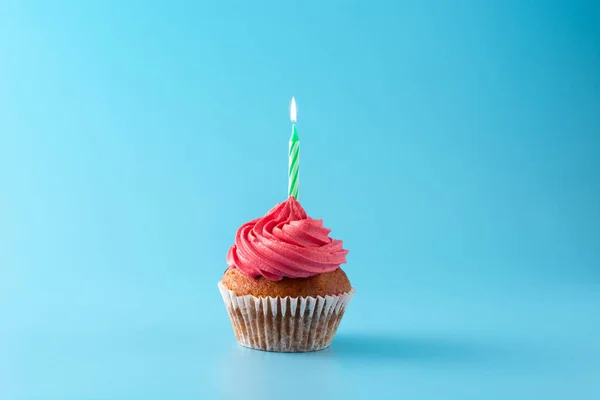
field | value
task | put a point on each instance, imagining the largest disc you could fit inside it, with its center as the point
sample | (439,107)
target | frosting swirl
(285,243)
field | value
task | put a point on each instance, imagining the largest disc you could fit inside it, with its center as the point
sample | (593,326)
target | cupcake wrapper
(286,324)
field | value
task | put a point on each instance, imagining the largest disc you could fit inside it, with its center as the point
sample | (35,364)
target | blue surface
(453,146)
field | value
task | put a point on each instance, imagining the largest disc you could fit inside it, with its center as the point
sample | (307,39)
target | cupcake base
(287,324)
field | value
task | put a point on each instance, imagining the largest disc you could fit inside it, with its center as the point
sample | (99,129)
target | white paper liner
(288,324)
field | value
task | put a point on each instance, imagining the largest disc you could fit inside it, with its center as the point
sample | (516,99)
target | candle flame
(293,110)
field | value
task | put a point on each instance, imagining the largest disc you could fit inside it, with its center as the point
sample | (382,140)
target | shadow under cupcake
(284,289)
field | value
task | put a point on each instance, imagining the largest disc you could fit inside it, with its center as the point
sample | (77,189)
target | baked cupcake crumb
(328,283)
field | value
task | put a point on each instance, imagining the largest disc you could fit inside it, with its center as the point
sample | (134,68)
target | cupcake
(284,289)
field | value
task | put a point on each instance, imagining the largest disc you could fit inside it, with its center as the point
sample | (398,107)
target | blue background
(453,145)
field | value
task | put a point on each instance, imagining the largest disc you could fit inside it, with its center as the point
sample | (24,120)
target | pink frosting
(285,243)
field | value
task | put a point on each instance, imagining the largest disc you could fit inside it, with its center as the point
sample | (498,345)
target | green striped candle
(293,155)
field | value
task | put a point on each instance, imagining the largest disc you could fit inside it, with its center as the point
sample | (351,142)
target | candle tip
(293,110)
